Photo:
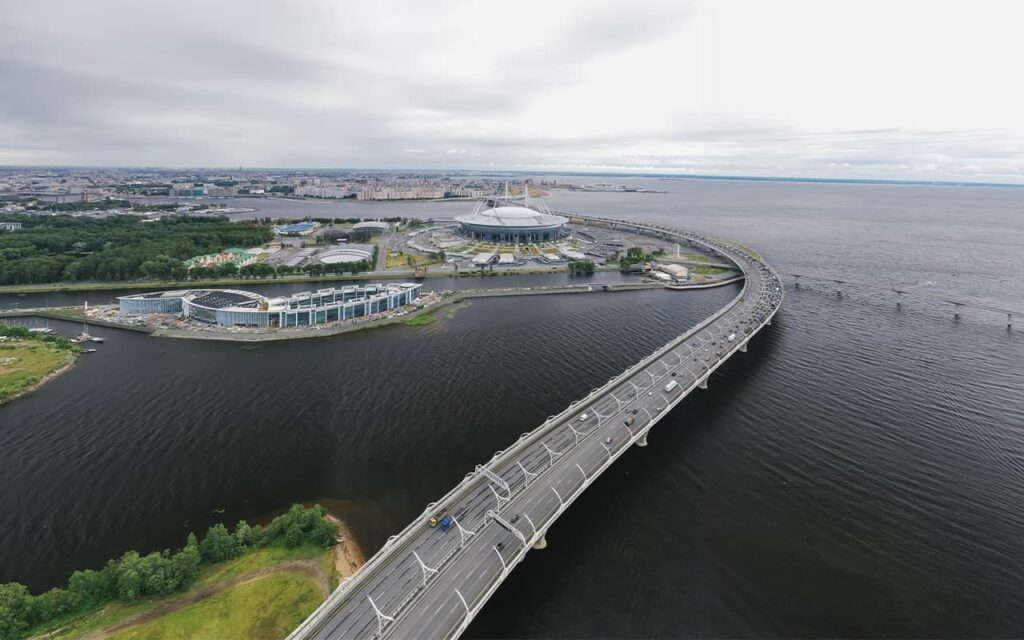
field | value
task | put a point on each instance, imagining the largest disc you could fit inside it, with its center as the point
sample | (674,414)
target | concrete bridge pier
(542,543)
(1009,321)
(743,348)
(703,384)
(642,442)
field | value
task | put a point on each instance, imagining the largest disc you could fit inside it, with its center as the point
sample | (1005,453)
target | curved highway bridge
(428,582)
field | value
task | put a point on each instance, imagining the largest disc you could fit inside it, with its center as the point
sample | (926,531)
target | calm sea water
(857,473)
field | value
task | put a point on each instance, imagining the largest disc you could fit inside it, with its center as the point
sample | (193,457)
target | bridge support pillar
(642,442)
(743,348)
(1009,321)
(703,384)
(542,543)
(956,311)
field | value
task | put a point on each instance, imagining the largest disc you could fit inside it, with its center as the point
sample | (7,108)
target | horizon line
(493,171)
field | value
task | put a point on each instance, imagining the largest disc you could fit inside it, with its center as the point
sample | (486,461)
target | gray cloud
(403,85)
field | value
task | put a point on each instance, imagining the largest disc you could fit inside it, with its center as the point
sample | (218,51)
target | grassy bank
(188,621)
(122,592)
(417,321)
(265,609)
(26,364)
(27,360)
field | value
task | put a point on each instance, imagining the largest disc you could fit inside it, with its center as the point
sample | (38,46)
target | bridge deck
(427,582)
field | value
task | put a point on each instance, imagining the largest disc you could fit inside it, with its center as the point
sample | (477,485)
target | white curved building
(234,308)
(512,223)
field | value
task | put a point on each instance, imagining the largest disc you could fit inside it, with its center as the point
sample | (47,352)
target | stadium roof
(511,216)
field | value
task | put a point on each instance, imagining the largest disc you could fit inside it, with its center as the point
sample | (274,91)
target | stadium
(233,308)
(502,221)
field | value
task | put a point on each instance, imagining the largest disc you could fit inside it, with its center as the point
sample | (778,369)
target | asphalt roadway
(429,582)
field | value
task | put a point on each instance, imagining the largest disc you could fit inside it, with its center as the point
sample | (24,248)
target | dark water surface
(857,473)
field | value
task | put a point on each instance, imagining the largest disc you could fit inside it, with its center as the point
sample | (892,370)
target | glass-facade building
(231,308)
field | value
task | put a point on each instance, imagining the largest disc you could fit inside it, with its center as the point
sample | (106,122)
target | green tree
(14,612)
(244,534)
(218,545)
(584,267)
(90,586)
(128,574)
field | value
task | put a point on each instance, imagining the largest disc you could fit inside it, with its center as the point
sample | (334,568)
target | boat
(85,337)
(88,351)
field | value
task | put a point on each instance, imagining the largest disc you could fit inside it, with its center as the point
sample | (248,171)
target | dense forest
(66,248)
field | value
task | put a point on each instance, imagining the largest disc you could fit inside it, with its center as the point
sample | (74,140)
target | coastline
(42,381)
(221,282)
(348,555)
(326,569)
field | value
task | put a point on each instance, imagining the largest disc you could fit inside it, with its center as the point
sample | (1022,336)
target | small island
(29,359)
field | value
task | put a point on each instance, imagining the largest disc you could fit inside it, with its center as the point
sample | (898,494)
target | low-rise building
(239,257)
(677,271)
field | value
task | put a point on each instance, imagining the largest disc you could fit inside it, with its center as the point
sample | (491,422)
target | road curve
(429,583)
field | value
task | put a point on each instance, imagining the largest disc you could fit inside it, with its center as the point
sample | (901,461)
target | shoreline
(61,287)
(346,557)
(349,557)
(42,381)
(308,333)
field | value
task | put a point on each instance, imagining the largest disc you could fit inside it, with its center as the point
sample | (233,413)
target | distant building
(323,192)
(187,190)
(298,229)
(239,257)
(10,226)
(372,226)
(677,271)
(484,259)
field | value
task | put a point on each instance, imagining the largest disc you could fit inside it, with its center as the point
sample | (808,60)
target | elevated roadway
(428,582)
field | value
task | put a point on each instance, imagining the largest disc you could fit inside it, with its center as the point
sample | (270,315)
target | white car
(583,417)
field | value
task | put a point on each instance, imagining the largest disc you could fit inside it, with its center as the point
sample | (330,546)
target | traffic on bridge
(430,580)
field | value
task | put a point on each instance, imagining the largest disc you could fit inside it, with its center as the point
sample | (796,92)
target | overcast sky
(895,89)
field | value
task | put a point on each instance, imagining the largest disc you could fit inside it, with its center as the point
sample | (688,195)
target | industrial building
(677,271)
(233,308)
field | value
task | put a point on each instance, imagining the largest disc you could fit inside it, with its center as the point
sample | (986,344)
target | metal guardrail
(397,543)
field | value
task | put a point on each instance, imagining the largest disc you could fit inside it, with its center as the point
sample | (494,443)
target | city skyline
(794,89)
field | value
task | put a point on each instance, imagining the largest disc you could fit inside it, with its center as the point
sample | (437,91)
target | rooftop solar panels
(221,299)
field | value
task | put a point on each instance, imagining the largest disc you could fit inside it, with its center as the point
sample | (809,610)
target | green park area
(264,609)
(26,359)
(253,582)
